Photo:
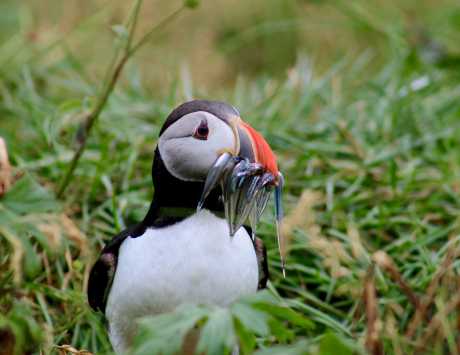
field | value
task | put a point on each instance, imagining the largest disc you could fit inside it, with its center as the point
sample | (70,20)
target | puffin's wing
(103,271)
(261,253)
(100,280)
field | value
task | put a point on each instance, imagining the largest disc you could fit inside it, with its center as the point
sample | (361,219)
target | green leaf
(27,196)
(252,319)
(247,339)
(332,343)
(218,335)
(299,348)
(281,331)
(264,296)
(286,313)
(31,260)
(165,334)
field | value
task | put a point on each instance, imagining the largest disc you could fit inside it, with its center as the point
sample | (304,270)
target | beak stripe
(262,151)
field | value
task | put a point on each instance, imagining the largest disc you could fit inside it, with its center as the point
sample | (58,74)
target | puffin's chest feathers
(194,261)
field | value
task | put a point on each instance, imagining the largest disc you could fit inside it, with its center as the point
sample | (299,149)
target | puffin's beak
(247,176)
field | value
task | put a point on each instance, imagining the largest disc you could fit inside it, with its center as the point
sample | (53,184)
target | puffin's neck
(175,199)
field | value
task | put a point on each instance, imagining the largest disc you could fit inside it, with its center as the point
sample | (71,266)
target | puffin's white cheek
(190,159)
(187,158)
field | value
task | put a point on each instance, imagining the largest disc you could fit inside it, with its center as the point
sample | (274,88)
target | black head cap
(217,108)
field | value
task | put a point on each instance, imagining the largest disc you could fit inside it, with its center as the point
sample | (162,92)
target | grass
(371,157)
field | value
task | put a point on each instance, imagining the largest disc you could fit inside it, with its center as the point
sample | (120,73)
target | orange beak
(262,153)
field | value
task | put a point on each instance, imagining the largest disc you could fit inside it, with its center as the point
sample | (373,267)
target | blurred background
(223,40)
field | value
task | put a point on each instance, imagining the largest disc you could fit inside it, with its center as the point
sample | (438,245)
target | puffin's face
(190,146)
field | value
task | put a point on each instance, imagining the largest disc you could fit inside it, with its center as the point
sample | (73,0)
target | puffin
(213,175)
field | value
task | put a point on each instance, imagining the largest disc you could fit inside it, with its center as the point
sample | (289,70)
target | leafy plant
(258,319)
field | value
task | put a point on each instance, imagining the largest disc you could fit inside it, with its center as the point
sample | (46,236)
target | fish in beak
(248,175)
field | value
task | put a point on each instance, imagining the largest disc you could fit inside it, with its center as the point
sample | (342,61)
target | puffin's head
(206,144)
(198,132)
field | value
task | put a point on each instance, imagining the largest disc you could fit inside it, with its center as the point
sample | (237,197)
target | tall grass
(371,158)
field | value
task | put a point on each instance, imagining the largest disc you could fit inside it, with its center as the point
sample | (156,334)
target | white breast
(194,261)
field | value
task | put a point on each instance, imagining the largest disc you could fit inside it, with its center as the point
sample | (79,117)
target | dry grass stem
(373,343)
(392,332)
(351,139)
(435,324)
(67,349)
(18,254)
(421,311)
(68,275)
(384,261)
(5,168)
(52,231)
(113,74)
(357,248)
(75,234)
(46,264)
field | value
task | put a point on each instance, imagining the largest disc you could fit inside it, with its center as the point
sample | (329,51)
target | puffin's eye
(202,131)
